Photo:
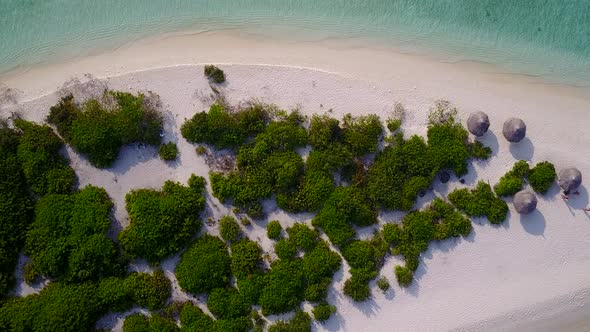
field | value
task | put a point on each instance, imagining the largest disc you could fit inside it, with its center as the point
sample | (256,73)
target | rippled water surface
(548,38)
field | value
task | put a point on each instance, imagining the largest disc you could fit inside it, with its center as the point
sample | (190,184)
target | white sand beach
(530,273)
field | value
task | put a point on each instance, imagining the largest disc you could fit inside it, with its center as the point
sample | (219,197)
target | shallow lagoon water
(545,38)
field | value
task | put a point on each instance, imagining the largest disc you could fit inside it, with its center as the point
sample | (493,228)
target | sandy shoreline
(528,271)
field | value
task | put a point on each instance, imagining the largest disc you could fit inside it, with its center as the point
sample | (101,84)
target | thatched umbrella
(569,178)
(478,123)
(525,202)
(514,130)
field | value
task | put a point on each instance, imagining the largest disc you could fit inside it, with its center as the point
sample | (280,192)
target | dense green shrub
(284,287)
(240,324)
(323,311)
(246,258)
(67,239)
(319,266)
(383,284)
(229,229)
(47,172)
(99,132)
(58,307)
(404,275)
(168,151)
(346,205)
(205,265)
(274,230)
(362,133)
(155,323)
(511,182)
(357,286)
(227,303)
(301,322)
(192,318)
(251,287)
(16,210)
(542,176)
(150,291)
(480,202)
(302,236)
(214,74)
(285,249)
(162,222)
(479,151)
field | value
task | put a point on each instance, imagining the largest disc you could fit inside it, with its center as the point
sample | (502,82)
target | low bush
(229,229)
(357,286)
(205,265)
(302,236)
(479,151)
(404,276)
(511,182)
(149,291)
(362,133)
(67,239)
(162,222)
(192,318)
(100,132)
(284,287)
(168,151)
(246,258)
(46,171)
(480,202)
(214,74)
(155,323)
(227,303)
(274,230)
(323,311)
(301,322)
(285,249)
(383,284)
(542,176)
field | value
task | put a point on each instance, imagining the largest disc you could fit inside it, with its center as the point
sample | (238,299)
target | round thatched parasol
(525,202)
(478,123)
(514,130)
(569,178)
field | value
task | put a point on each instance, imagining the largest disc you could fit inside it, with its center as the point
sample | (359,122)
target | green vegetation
(383,284)
(16,207)
(214,74)
(46,171)
(162,222)
(404,276)
(67,240)
(542,176)
(229,229)
(301,322)
(323,311)
(227,303)
(99,131)
(168,151)
(141,323)
(204,266)
(364,257)
(480,202)
(274,230)
(439,221)
(512,181)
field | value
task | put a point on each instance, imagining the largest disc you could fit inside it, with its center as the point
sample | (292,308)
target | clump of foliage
(542,176)
(192,318)
(364,257)
(214,74)
(323,311)
(229,229)
(46,171)
(274,230)
(479,151)
(227,303)
(204,266)
(223,129)
(301,322)
(383,284)
(362,133)
(405,168)
(16,210)
(67,239)
(285,249)
(140,323)
(162,222)
(284,287)
(480,202)
(346,206)
(266,165)
(168,151)
(439,221)
(99,131)
(395,121)
(149,291)
(512,181)
(404,275)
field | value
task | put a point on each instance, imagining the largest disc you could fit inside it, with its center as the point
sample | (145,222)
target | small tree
(168,151)
(214,74)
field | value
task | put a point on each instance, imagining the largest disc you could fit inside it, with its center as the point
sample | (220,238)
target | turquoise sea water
(547,38)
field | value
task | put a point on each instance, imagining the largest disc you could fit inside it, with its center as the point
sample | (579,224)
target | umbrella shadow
(533,223)
(523,150)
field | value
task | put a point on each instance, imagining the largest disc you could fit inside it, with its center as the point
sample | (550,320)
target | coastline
(528,266)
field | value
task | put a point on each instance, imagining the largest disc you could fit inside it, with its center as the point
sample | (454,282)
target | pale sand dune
(532,268)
